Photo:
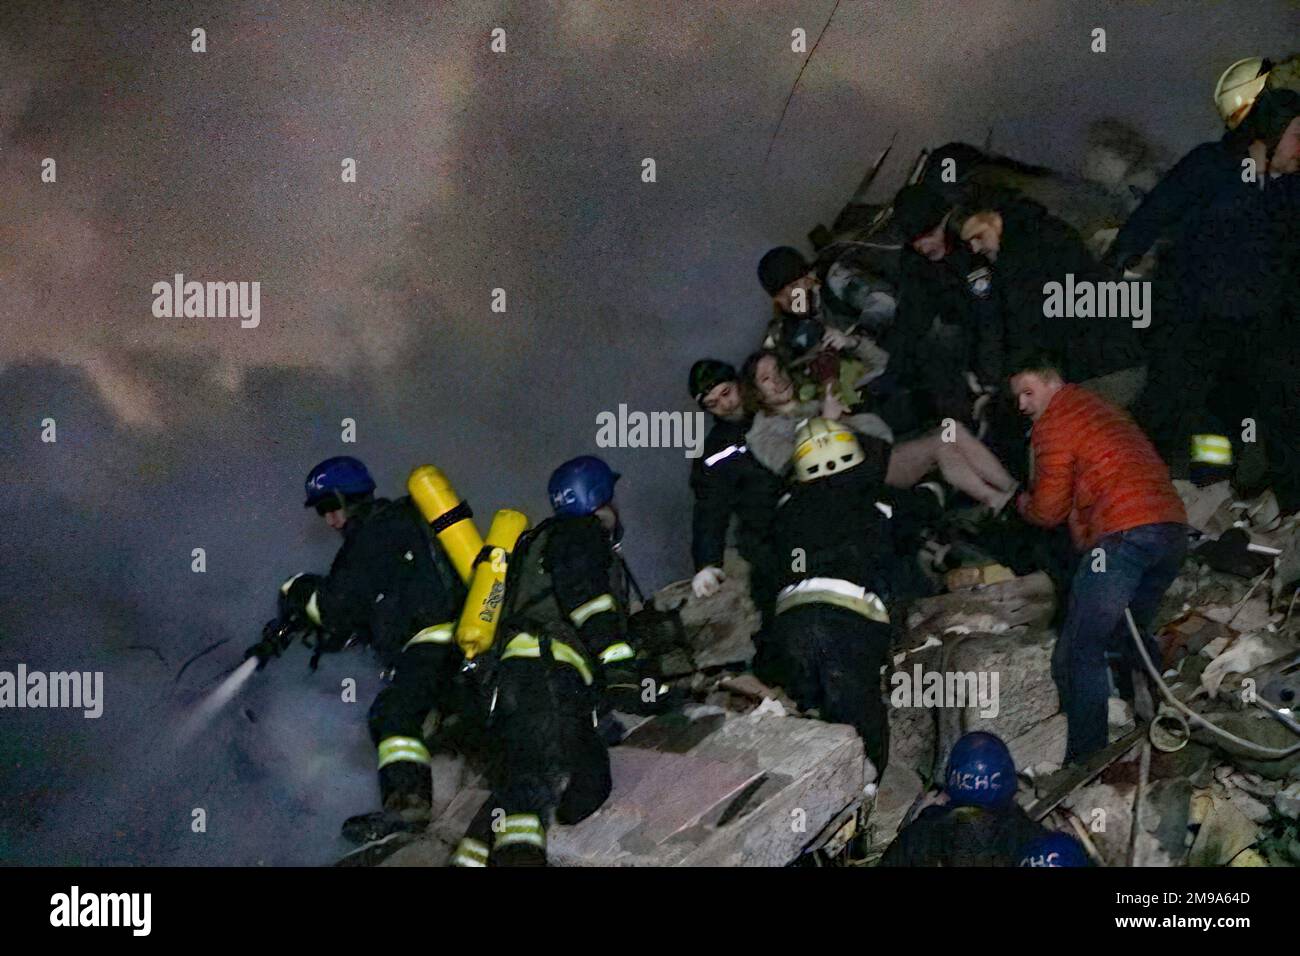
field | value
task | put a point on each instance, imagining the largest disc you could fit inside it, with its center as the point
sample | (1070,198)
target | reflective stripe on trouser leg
(393,749)
(470,852)
(1211,449)
(521,828)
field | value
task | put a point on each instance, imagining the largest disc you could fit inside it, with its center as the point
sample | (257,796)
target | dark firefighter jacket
(1231,263)
(963,836)
(1178,199)
(1036,249)
(832,528)
(389,580)
(565,577)
(728,481)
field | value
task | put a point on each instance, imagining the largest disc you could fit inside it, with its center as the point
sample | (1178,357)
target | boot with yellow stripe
(406,784)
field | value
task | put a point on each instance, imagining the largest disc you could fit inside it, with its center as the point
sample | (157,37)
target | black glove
(633,686)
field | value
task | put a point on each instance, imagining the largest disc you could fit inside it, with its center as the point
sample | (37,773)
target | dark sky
(476,170)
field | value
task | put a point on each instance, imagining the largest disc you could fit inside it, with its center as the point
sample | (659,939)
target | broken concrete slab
(1022,662)
(759,792)
(1028,601)
(899,790)
(1106,810)
(1041,749)
(1162,839)
(719,627)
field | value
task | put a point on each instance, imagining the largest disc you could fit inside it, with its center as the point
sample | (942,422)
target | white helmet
(823,447)
(1237,89)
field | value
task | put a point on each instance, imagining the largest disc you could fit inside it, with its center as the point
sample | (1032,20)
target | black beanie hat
(708,374)
(918,209)
(781,266)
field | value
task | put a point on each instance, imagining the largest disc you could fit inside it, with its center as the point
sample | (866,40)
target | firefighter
(391,586)
(562,642)
(728,481)
(834,550)
(1219,287)
(976,820)
(1196,179)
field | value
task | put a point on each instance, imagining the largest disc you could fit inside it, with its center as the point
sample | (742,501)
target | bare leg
(983,461)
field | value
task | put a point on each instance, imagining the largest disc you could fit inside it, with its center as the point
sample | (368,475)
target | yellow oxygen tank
(478,621)
(449,517)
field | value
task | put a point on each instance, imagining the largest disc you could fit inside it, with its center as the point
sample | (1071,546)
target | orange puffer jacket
(1094,466)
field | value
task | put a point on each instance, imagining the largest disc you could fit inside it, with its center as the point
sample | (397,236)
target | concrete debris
(1028,601)
(1224,830)
(1287,802)
(1244,655)
(1106,810)
(1163,838)
(960,579)
(719,626)
(770,707)
(1258,728)
(900,791)
(1209,508)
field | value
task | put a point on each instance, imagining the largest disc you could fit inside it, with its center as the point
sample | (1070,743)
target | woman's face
(773,384)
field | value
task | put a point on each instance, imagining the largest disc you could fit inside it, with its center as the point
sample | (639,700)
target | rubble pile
(769,785)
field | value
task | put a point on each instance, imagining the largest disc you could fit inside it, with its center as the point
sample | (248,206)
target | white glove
(707,581)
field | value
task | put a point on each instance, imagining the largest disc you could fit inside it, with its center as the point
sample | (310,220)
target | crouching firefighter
(561,643)
(834,550)
(391,586)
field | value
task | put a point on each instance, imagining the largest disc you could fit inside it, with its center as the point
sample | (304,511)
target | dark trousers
(1140,564)
(834,657)
(1190,387)
(761,556)
(547,757)
(422,681)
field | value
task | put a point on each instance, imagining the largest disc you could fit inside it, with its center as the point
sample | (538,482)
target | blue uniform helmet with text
(980,772)
(580,486)
(338,478)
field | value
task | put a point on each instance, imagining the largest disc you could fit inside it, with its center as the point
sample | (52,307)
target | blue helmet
(336,478)
(1054,849)
(980,772)
(580,486)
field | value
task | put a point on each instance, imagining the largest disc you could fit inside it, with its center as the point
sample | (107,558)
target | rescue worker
(976,820)
(943,292)
(1029,248)
(391,586)
(1198,177)
(1220,283)
(1095,470)
(728,481)
(835,550)
(562,642)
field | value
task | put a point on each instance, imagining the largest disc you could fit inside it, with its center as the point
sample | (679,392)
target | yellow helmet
(823,447)
(1237,89)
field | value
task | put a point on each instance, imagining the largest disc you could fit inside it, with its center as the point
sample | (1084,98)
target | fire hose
(1184,714)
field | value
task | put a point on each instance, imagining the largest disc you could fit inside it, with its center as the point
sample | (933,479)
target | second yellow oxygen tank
(478,621)
(449,517)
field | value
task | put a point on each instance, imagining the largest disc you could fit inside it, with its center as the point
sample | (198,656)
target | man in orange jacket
(1095,469)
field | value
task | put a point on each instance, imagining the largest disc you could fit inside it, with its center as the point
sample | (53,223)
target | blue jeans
(1140,564)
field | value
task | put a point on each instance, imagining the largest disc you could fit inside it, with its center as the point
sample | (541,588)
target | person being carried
(958,455)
